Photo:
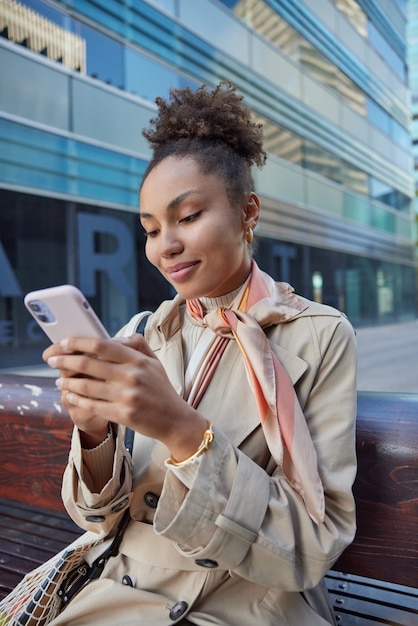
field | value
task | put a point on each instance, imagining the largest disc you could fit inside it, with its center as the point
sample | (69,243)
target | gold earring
(249,236)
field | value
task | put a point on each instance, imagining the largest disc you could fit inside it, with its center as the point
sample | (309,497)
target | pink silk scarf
(281,416)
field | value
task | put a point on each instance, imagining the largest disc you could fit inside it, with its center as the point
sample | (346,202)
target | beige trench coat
(237,548)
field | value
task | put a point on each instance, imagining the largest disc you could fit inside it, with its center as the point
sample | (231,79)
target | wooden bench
(375,580)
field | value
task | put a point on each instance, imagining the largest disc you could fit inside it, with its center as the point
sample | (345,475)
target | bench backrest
(386,490)
(35,433)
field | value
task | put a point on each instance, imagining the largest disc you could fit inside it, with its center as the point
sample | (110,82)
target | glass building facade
(412,36)
(328,79)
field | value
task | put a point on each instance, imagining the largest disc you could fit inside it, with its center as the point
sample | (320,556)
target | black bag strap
(129,433)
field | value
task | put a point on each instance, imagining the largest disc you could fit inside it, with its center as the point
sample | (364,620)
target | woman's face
(194,236)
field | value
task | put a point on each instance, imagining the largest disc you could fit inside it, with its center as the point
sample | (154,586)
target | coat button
(121,505)
(95,518)
(151,500)
(127,580)
(206,563)
(178,609)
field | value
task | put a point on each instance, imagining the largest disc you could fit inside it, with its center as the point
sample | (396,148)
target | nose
(170,244)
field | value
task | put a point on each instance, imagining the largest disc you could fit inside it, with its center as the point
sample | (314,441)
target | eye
(151,234)
(190,218)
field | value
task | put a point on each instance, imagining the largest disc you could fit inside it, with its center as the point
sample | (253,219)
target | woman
(239,490)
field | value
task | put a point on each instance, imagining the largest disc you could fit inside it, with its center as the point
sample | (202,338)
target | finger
(87,387)
(135,342)
(95,407)
(72,366)
(52,350)
(94,357)
(107,349)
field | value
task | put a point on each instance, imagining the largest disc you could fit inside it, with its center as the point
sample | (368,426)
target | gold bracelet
(208,437)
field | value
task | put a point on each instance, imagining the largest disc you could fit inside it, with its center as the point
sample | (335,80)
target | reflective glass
(280,141)
(45,30)
(104,58)
(33,253)
(165,5)
(401,135)
(368,290)
(383,219)
(46,10)
(269,24)
(355,178)
(37,159)
(354,13)
(33,90)
(45,242)
(402,4)
(386,51)
(148,78)
(318,160)
(387,195)
(358,209)
(378,116)
(381,191)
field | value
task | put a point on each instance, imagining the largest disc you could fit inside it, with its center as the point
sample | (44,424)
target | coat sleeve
(246,518)
(97,512)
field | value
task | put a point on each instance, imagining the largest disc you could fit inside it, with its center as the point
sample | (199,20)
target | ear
(251,211)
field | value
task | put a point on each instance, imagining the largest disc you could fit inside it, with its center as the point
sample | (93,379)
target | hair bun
(216,115)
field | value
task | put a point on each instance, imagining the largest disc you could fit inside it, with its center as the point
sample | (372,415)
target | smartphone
(63,312)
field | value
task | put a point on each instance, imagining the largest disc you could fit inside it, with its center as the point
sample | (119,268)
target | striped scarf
(281,416)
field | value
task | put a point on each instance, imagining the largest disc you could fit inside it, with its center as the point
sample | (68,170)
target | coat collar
(163,333)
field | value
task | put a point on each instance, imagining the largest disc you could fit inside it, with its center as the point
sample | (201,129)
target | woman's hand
(122,381)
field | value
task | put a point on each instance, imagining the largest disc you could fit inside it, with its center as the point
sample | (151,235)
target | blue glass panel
(104,56)
(379,190)
(47,11)
(378,116)
(401,134)
(43,160)
(385,220)
(386,51)
(148,78)
(32,136)
(166,5)
(35,158)
(402,4)
(106,193)
(113,21)
(357,209)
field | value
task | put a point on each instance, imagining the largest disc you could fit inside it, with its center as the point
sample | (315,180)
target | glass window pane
(45,242)
(354,13)
(104,56)
(45,30)
(386,51)
(381,191)
(322,162)
(148,78)
(280,141)
(355,178)
(378,116)
(33,252)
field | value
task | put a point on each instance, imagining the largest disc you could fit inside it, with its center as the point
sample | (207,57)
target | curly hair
(212,127)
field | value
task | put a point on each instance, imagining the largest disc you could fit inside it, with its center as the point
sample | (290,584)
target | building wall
(328,80)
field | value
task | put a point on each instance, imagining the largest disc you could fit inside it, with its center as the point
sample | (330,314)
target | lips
(181,271)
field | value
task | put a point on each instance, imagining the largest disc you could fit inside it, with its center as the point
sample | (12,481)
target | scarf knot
(281,417)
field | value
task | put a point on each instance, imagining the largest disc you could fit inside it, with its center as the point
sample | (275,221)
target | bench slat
(29,536)
(360,601)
